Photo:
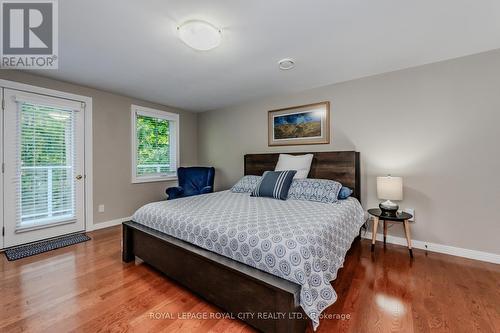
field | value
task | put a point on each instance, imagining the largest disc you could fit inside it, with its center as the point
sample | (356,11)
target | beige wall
(111,148)
(435,125)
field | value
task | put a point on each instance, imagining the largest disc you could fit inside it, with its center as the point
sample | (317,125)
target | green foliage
(153,138)
(43,136)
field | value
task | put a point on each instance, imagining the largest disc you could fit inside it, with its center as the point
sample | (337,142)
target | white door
(44,167)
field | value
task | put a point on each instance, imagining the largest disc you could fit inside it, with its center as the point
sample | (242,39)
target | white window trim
(142,110)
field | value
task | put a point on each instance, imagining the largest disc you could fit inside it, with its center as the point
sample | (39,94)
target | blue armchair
(192,181)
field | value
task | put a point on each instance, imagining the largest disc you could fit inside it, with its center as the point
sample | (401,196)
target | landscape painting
(306,124)
(297,125)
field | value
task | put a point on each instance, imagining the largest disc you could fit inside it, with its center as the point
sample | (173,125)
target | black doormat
(32,249)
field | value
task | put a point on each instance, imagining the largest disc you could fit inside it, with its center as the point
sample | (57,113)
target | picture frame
(299,125)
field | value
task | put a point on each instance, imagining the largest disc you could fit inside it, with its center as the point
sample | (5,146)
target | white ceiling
(130,46)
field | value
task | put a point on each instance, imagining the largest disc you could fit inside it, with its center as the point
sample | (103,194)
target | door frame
(88,202)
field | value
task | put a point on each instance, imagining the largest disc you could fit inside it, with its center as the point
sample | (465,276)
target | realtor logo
(29,38)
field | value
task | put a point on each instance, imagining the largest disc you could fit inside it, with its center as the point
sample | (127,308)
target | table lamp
(389,188)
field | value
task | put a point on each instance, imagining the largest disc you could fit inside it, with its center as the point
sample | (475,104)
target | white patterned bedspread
(301,241)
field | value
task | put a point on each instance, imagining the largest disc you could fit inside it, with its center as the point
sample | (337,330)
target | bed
(256,258)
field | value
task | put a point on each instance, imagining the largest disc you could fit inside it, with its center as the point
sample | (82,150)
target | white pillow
(299,163)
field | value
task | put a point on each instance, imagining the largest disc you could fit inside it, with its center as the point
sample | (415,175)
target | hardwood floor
(87,288)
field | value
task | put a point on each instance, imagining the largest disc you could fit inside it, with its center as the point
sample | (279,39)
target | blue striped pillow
(274,184)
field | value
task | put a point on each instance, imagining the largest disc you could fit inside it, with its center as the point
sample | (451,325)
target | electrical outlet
(100,208)
(410,211)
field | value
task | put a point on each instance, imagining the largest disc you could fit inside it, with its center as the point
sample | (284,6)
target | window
(46,169)
(155,145)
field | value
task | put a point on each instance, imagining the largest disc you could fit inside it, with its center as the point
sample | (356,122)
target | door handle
(79,177)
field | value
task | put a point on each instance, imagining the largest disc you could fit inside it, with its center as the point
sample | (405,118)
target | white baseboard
(107,224)
(440,248)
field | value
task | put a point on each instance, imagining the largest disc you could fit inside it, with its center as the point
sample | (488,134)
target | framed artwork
(299,125)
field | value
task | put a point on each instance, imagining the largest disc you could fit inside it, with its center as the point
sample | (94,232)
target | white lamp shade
(390,188)
(199,35)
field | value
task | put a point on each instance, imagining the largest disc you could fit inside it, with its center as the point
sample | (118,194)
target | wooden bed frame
(233,286)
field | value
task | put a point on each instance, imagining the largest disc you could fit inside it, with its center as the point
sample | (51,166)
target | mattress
(301,241)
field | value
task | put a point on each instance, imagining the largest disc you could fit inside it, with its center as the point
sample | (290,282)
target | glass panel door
(44,167)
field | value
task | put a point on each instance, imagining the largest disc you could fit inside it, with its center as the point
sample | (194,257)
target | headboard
(342,166)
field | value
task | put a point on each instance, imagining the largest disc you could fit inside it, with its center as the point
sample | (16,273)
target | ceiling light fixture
(286,64)
(199,35)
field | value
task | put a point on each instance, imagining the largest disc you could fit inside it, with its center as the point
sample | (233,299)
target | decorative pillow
(321,190)
(300,163)
(274,184)
(246,184)
(344,193)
